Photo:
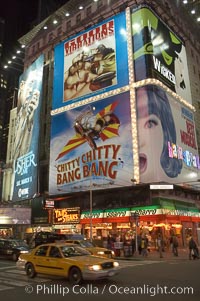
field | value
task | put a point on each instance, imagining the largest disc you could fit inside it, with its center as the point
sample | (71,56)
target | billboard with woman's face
(167,140)
(158,53)
(91,146)
(92,62)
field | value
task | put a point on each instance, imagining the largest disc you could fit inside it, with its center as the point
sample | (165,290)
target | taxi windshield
(17,243)
(70,251)
(86,244)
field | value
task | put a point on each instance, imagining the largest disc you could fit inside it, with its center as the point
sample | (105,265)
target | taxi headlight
(95,267)
(113,253)
(100,253)
(23,252)
(115,264)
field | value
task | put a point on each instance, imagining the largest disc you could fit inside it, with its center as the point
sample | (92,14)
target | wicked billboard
(158,53)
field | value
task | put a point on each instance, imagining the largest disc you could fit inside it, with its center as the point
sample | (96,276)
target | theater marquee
(66,216)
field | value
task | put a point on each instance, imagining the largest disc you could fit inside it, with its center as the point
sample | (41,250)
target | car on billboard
(67,260)
(12,248)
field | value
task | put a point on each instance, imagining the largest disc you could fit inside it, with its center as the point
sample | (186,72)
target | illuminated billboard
(159,53)
(167,140)
(25,147)
(92,62)
(66,216)
(15,216)
(91,146)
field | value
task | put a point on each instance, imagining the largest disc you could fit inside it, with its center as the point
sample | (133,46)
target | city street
(138,279)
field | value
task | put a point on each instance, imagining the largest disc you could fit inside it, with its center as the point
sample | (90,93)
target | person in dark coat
(175,245)
(193,249)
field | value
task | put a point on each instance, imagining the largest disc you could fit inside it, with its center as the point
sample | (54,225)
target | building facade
(114,107)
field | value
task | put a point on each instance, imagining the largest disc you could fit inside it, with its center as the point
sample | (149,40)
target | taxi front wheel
(30,271)
(75,276)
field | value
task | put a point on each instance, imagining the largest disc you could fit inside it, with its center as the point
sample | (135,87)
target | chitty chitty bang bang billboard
(91,146)
(91,63)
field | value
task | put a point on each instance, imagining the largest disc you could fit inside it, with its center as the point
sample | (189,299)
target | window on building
(78,19)
(59,31)
(37,46)
(194,69)
(33,49)
(89,11)
(69,25)
(99,3)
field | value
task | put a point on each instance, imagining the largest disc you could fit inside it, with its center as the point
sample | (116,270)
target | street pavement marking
(8,267)
(3,287)
(12,281)
(130,263)
(25,277)
(9,277)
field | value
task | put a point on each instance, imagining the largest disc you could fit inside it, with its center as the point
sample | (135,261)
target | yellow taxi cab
(67,260)
(92,248)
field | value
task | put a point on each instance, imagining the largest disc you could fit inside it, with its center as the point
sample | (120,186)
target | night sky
(20,15)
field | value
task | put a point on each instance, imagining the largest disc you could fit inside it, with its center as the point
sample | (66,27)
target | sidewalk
(183,254)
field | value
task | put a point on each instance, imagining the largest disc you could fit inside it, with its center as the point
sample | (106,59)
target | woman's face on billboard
(150,140)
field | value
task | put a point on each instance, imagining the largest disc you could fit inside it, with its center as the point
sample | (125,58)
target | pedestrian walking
(160,245)
(175,245)
(144,245)
(193,249)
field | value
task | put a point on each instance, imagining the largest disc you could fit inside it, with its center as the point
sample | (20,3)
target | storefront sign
(66,216)
(151,210)
(48,204)
(98,214)
(121,213)
(180,212)
(161,187)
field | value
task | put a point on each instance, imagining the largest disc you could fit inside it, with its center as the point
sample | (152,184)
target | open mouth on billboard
(143,163)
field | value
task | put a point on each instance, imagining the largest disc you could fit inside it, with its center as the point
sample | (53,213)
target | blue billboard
(92,62)
(91,146)
(25,146)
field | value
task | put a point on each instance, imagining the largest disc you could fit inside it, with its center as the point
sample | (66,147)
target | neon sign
(175,151)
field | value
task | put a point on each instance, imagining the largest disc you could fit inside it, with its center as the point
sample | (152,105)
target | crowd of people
(143,247)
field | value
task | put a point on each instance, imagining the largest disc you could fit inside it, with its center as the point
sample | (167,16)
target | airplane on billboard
(89,128)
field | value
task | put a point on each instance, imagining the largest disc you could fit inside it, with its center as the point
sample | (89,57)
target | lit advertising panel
(91,147)
(15,216)
(66,216)
(25,148)
(92,62)
(159,53)
(167,141)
